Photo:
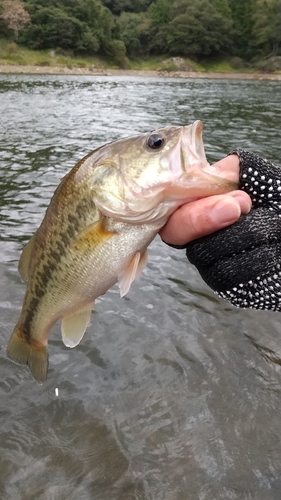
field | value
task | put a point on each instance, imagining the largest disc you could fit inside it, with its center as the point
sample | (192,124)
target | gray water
(173,394)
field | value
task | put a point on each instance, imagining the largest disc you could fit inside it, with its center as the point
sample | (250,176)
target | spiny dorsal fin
(94,234)
(74,325)
(24,261)
(131,272)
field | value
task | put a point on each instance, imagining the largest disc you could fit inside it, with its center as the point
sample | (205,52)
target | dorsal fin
(74,325)
(24,261)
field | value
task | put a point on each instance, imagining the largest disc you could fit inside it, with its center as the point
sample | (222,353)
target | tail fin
(33,354)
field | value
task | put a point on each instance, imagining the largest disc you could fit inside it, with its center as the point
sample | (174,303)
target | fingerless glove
(242,262)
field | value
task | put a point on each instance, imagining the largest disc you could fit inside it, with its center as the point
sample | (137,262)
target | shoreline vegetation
(174,38)
(17,59)
(99,71)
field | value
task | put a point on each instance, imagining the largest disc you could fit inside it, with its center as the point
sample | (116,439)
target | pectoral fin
(23,266)
(74,326)
(93,235)
(131,272)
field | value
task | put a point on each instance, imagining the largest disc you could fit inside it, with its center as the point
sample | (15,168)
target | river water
(173,394)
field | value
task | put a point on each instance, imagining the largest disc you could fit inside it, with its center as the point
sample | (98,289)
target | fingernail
(226,211)
(245,205)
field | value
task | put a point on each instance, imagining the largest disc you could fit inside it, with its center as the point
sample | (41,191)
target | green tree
(198,30)
(53,28)
(134,32)
(267,26)
(223,7)
(76,25)
(119,6)
(159,12)
(242,16)
(117,50)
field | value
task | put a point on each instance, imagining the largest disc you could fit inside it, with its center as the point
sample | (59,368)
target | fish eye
(155,141)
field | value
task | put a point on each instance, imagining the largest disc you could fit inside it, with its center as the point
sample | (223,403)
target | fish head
(145,178)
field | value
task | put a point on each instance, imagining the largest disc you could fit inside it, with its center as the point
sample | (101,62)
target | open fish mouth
(192,176)
(191,146)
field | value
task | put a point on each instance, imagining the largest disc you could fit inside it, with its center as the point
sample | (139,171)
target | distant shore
(65,70)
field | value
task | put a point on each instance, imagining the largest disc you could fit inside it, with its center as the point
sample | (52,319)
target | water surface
(173,394)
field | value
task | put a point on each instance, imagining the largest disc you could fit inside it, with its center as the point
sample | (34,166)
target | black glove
(242,262)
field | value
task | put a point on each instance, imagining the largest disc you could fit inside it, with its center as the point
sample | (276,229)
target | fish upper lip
(191,146)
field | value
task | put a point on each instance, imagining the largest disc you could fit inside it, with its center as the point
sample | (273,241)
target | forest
(125,29)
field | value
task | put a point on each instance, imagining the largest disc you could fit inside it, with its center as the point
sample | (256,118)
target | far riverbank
(65,70)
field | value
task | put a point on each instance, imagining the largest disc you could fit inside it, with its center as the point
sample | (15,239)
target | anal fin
(74,325)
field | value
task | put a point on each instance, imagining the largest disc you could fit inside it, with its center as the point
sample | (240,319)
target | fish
(102,217)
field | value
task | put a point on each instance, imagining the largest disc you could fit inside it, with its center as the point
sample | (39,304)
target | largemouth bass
(100,221)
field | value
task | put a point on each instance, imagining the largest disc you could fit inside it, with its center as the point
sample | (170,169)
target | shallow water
(173,394)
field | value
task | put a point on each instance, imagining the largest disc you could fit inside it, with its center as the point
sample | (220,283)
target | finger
(243,199)
(205,216)
(228,168)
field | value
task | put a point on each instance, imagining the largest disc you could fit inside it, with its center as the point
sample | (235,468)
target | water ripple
(172,394)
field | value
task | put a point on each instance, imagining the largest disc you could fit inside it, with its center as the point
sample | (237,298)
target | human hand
(207,215)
